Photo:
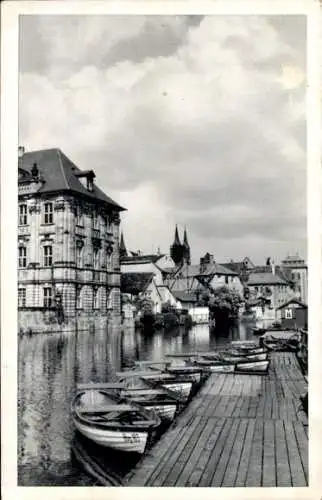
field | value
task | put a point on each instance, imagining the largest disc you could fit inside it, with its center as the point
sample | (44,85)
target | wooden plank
(192,461)
(275,414)
(231,404)
(269,475)
(236,452)
(244,407)
(297,472)
(207,452)
(163,468)
(260,407)
(283,474)
(254,473)
(236,411)
(253,407)
(189,455)
(225,455)
(268,407)
(245,455)
(302,443)
(207,475)
(154,456)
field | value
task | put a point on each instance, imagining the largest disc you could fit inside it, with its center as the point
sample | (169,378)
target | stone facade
(68,254)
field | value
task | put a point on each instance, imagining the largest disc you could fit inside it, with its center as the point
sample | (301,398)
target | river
(50,365)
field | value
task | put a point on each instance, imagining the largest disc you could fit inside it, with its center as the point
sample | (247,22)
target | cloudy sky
(192,120)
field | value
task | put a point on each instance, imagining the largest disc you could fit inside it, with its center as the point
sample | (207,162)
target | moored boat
(99,416)
(180,384)
(253,367)
(245,358)
(159,400)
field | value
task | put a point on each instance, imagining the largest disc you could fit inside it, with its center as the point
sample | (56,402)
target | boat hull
(166,412)
(129,441)
(222,368)
(256,366)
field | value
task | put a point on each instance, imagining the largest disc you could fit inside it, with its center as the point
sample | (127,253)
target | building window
(48,255)
(288,314)
(21,297)
(79,216)
(226,280)
(48,298)
(79,256)
(79,301)
(48,213)
(23,215)
(22,262)
(96,259)
(96,299)
(95,220)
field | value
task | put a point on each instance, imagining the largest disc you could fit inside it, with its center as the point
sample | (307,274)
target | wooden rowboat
(253,367)
(159,400)
(180,384)
(100,417)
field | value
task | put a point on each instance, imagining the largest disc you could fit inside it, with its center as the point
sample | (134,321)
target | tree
(223,304)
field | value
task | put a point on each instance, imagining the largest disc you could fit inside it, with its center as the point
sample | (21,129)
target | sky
(189,120)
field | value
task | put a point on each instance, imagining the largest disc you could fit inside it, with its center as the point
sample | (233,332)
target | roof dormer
(86,177)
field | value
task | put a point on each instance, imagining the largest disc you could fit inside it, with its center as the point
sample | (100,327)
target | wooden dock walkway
(239,430)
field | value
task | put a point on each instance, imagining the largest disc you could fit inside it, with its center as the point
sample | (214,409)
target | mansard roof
(59,173)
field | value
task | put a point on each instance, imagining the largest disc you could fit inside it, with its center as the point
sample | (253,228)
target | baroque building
(68,240)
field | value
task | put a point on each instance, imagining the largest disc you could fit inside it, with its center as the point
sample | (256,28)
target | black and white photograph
(162,250)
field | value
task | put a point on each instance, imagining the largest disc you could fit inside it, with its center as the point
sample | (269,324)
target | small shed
(293,314)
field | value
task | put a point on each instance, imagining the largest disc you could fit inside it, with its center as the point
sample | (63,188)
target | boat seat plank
(106,408)
(100,385)
(136,373)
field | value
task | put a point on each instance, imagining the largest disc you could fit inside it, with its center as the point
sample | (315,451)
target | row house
(68,238)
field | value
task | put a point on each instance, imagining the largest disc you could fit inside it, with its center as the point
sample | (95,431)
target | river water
(50,366)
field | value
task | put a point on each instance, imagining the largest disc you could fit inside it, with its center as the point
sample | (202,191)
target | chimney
(211,258)
(21,151)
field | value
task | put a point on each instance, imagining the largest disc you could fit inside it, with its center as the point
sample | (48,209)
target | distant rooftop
(265,279)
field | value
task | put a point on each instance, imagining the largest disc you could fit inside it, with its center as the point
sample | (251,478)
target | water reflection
(50,366)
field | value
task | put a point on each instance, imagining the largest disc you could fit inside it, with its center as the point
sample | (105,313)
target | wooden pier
(239,430)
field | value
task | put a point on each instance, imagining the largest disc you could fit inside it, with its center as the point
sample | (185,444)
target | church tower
(186,248)
(176,249)
(123,251)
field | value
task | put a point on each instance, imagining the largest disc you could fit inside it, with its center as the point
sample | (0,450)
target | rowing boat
(159,400)
(99,416)
(253,367)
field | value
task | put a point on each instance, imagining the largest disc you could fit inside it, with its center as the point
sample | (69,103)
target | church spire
(186,248)
(185,238)
(123,251)
(176,237)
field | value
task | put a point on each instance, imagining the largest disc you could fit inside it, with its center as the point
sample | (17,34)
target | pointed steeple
(186,247)
(176,237)
(185,238)
(123,251)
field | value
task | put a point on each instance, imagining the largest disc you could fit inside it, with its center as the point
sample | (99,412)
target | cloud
(199,121)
